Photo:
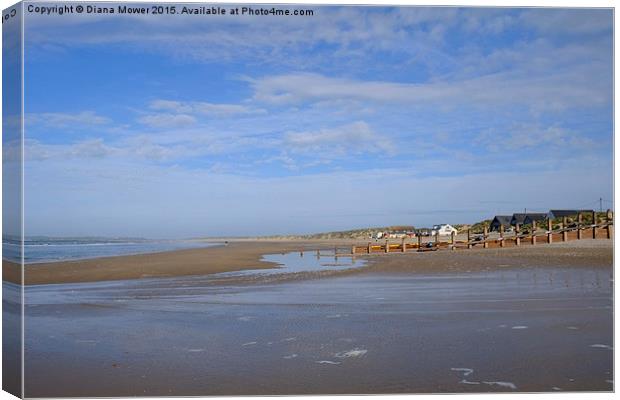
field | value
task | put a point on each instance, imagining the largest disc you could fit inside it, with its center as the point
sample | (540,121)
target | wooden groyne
(565,232)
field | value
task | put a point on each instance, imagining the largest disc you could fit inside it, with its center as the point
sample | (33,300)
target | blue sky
(357,116)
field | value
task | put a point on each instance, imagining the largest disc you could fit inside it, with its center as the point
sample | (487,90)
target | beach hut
(553,214)
(527,218)
(531,217)
(499,221)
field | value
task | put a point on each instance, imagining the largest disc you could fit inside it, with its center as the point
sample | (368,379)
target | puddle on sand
(295,262)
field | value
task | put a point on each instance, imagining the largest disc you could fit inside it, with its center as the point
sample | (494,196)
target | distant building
(501,220)
(397,234)
(443,230)
(394,234)
(378,235)
(423,232)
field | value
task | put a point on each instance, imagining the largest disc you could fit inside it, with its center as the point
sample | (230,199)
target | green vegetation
(476,228)
(363,233)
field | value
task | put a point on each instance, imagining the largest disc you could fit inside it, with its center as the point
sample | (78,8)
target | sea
(46,249)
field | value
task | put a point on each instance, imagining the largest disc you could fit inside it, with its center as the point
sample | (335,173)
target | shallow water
(61,250)
(540,329)
(301,262)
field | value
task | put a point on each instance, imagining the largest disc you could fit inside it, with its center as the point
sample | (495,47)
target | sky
(188,126)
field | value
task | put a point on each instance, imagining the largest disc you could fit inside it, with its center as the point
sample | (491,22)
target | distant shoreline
(242,254)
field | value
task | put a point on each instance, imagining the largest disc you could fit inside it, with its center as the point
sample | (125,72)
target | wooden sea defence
(601,228)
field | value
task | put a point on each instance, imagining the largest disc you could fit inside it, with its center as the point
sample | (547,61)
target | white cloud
(357,137)
(569,21)
(157,152)
(167,120)
(204,108)
(169,105)
(524,136)
(35,150)
(94,148)
(63,120)
(560,90)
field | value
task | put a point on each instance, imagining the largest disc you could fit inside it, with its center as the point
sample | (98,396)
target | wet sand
(232,257)
(540,329)
(535,319)
(247,255)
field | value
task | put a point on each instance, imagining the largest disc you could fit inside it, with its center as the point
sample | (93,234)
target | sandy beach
(532,319)
(232,257)
(245,254)
(515,319)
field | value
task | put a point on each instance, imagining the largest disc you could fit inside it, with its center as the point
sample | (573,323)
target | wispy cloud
(354,138)
(204,108)
(64,120)
(166,120)
(525,136)
(571,22)
(559,90)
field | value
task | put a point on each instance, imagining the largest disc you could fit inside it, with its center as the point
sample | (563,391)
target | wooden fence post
(404,245)
(533,233)
(353,249)
(469,238)
(387,246)
(593,224)
(501,235)
(437,237)
(369,248)
(517,237)
(318,253)
(610,227)
(419,242)
(564,231)
(579,223)
(485,235)
(453,240)
(549,230)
